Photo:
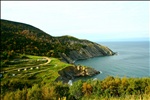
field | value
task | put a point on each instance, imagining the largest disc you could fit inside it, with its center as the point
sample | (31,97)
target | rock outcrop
(72,72)
(88,50)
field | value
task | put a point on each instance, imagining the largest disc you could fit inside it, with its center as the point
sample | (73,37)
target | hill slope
(26,39)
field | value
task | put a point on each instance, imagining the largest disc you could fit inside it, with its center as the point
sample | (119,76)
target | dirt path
(48,61)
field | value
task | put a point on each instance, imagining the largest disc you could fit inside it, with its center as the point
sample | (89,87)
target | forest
(111,88)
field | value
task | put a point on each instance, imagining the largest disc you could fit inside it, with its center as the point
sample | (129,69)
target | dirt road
(48,61)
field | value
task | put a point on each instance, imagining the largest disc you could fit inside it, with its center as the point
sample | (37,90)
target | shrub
(87,89)
(48,92)
(62,90)
(34,93)
(76,89)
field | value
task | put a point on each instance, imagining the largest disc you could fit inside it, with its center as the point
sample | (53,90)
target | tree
(62,90)
(87,89)
(48,92)
(34,93)
(76,89)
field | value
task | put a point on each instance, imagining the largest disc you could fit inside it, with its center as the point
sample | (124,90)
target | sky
(92,20)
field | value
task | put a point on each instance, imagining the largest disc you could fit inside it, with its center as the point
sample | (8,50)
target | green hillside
(26,39)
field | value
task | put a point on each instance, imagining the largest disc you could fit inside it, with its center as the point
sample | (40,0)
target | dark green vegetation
(108,89)
(26,39)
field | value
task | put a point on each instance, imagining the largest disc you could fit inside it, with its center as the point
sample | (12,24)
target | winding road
(48,61)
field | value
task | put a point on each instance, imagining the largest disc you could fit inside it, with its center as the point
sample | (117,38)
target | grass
(33,57)
(48,72)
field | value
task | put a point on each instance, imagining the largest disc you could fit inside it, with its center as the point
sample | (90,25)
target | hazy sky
(93,20)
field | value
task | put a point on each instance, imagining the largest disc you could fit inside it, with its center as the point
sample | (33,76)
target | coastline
(73,72)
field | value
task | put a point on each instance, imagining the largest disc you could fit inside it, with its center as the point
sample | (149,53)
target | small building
(70,82)
(13,74)
(94,79)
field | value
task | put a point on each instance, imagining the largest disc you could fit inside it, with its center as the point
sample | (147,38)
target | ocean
(132,60)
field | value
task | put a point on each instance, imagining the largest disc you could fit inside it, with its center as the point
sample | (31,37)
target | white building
(70,82)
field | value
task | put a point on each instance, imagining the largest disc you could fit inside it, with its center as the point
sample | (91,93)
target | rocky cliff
(71,72)
(87,50)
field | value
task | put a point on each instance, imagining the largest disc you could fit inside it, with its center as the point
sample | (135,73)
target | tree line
(110,87)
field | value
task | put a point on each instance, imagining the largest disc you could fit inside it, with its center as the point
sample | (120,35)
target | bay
(132,60)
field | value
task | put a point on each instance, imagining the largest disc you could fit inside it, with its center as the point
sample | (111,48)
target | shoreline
(74,72)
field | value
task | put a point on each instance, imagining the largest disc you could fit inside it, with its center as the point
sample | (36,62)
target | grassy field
(35,67)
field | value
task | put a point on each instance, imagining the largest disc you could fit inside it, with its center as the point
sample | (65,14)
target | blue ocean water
(132,60)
